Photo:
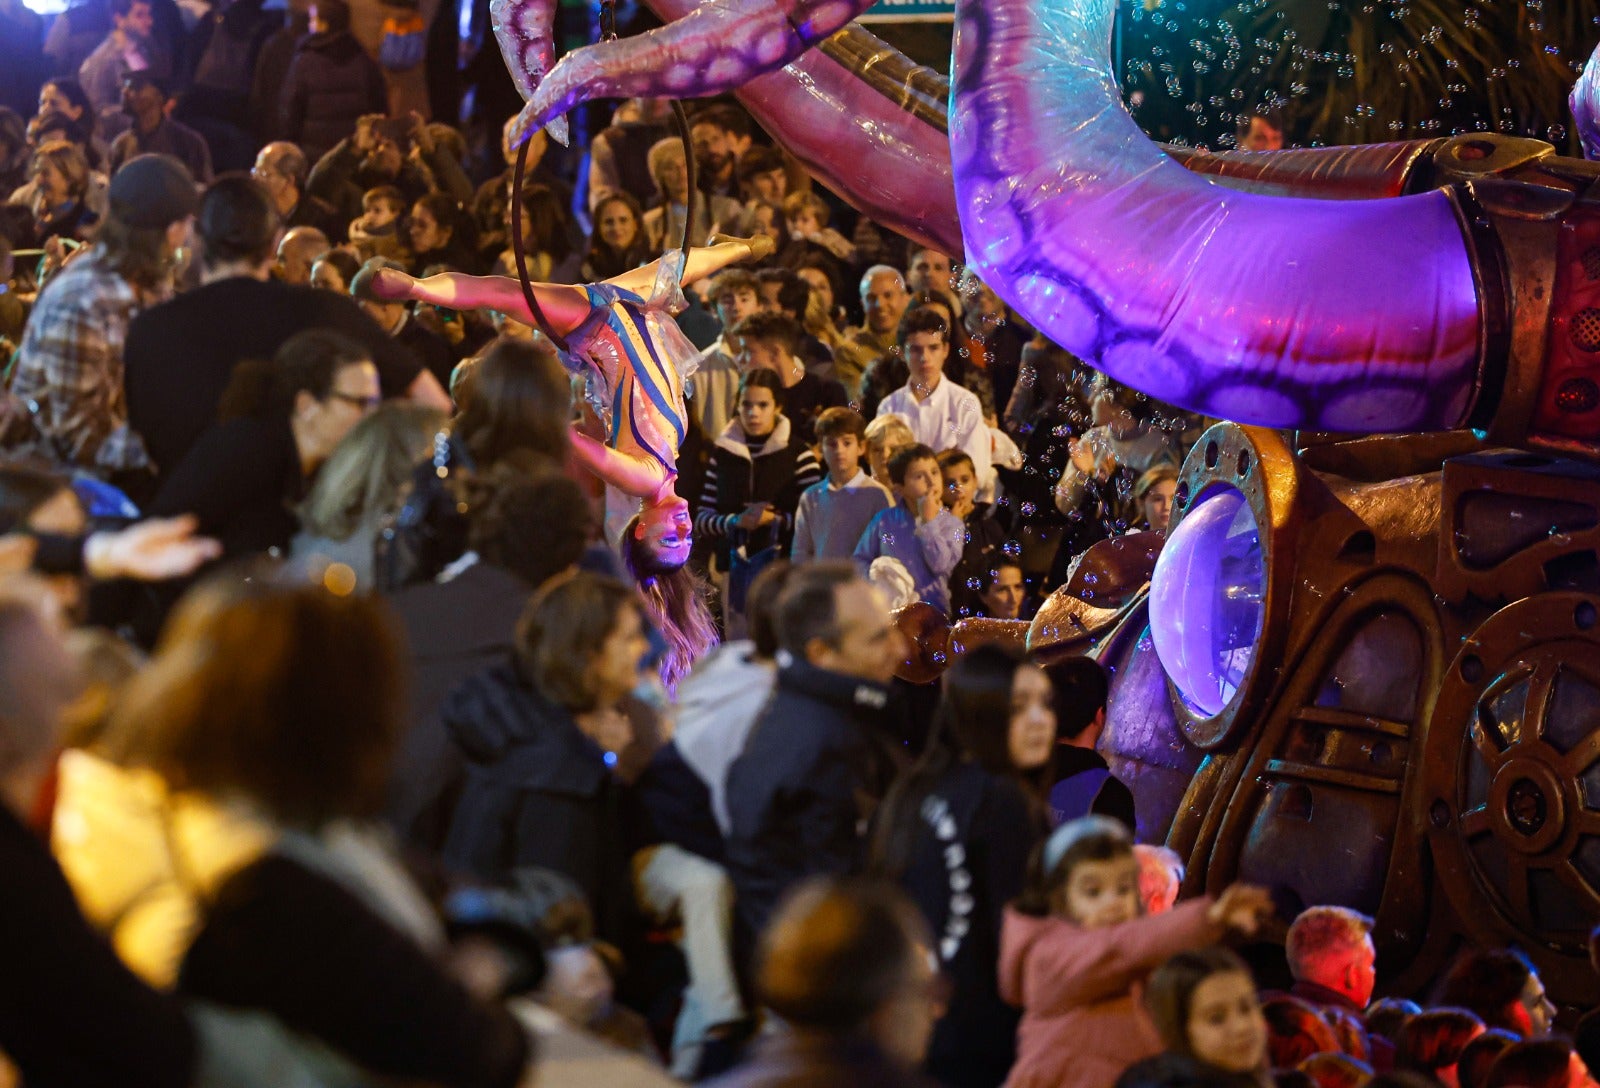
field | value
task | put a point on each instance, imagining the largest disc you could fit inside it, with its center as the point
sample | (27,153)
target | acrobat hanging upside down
(618,334)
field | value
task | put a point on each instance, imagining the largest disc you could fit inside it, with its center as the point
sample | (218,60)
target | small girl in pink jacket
(1075,950)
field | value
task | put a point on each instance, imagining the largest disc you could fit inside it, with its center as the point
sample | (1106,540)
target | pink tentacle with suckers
(525,30)
(716,48)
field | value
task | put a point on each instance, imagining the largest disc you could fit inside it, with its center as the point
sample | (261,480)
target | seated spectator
(70,363)
(1203,1004)
(1076,954)
(941,413)
(359,489)
(153,132)
(955,832)
(805,227)
(1084,782)
(376,233)
(886,436)
(1431,1043)
(1502,988)
(752,489)
(846,967)
(282,169)
(63,102)
(58,192)
(1539,1063)
(819,750)
(1295,1031)
(664,221)
(1332,959)
(1161,873)
(435,230)
(917,530)
(540,734)
(835,511)
(985,537)
(331,83)
(284,701)
(1003,592)
(1478,1057)
(280,420)
(772,342)
(619,242)
(298,250)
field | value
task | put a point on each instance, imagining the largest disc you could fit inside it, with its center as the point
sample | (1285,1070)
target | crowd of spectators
(334,742)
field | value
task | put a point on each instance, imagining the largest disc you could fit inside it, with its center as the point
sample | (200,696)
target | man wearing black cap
(145,101)
(70,365)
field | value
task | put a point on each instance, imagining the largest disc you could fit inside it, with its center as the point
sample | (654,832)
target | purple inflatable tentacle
(1585,103)
(525,30)
(1333,315)
(716,48)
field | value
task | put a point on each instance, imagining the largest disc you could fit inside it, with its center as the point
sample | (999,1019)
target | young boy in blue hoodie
(917,530)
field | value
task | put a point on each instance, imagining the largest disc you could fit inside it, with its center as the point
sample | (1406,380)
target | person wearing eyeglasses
(280,420)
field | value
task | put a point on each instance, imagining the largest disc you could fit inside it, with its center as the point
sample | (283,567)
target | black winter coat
(798,797)
(777,473)
(968,859)
(537,793)
(331,82)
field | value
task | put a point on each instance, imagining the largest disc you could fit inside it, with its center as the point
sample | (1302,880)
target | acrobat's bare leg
(564,307)
(703,261)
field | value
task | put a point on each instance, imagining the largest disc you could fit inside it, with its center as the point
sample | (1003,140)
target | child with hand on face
(917,530)
(806,217)
(1076,950)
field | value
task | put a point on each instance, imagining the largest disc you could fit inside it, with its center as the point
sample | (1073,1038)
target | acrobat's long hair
(675,600)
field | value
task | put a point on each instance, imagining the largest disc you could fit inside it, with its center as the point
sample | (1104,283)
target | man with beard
(720,136)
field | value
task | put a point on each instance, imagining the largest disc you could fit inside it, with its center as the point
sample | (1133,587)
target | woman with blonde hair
(363,485)
(59,198)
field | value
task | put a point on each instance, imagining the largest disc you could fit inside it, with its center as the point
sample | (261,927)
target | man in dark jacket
(331,82)
(815,762)
(848,967)
(1084,783)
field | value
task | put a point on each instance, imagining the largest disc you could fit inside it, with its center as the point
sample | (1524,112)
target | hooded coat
(331,83)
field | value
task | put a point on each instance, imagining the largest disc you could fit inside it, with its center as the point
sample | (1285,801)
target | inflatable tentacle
(1284,312)
(715,48)
(1585,102)
(525,30)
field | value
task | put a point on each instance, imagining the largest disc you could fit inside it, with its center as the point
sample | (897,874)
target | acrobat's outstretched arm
(632,474)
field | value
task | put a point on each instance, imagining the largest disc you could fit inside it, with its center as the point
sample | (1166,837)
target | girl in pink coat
(1076,949)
